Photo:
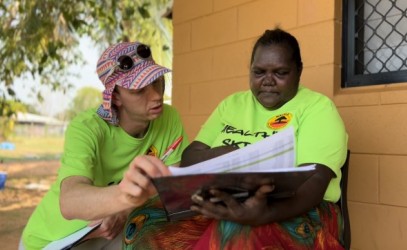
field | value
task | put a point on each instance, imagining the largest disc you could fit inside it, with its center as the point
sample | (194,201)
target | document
(240,173)
(274,152)
(71,240)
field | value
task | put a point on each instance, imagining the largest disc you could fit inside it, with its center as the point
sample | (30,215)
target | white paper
(70,239)
(273,154)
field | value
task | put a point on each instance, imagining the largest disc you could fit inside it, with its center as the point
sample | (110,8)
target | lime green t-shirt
(101,152)
(321,137)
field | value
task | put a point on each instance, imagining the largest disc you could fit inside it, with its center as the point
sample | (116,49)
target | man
(111,153)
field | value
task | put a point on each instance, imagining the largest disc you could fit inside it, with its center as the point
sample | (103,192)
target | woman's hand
(257,211)
(249,212)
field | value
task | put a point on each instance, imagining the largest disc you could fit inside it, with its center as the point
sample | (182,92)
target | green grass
(33,148)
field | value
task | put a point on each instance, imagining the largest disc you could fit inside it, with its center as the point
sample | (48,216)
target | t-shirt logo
(152,151)
(279,121)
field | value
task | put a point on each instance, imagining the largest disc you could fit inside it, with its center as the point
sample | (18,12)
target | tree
(7,109)
(144,22)
(40,38)
(86,97)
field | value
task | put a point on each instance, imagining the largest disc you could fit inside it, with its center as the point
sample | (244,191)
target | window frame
(349,76)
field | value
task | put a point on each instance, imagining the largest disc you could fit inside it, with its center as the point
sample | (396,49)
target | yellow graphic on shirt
(279,121)
(152,151)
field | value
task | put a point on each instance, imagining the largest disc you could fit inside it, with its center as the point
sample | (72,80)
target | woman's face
(274,76)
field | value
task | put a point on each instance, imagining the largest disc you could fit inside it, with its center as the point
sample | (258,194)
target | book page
(70,240)
(272,153)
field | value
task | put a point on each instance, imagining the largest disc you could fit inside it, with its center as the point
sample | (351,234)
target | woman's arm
(198,152)
(257,210)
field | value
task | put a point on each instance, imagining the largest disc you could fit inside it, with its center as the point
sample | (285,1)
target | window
(374,42)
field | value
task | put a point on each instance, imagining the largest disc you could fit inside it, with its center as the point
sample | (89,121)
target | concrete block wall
(212,43)
(375,118)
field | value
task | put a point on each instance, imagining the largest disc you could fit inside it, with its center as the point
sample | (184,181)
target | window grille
(374,42)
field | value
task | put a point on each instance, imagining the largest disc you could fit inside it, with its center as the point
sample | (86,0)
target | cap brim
(141,76)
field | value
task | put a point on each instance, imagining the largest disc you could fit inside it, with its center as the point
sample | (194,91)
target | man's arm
(79,199)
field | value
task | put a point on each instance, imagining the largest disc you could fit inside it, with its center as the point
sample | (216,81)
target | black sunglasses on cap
(125,62)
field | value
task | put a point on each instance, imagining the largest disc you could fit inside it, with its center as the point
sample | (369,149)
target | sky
(56,102)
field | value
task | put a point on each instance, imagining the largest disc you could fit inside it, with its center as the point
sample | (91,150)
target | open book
(241,172)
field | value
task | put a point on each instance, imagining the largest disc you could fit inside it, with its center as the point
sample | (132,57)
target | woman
(276,101)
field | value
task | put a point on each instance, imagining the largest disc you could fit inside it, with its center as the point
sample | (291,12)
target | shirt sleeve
(79,151)
(207,134)
(177,130)
(322,136)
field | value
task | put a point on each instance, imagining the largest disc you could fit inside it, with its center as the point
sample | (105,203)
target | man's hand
(136,186)
(109,227)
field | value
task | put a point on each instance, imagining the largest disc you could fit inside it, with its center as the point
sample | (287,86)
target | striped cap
(142,74)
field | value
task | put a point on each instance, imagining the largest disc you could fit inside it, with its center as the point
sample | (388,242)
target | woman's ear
(300,70)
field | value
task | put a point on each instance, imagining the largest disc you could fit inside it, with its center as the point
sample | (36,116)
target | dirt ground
(27,183)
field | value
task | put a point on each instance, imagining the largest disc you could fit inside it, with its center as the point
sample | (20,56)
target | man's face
(142,105)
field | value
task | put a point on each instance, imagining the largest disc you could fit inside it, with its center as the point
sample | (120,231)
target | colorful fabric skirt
(148,228)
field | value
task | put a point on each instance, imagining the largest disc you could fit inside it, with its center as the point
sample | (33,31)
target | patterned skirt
(147,228)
